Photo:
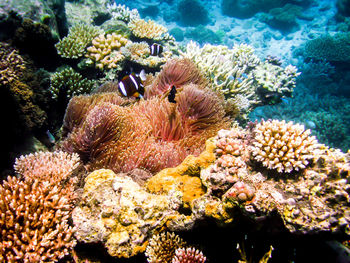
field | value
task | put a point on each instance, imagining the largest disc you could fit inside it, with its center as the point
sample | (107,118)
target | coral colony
(126,142)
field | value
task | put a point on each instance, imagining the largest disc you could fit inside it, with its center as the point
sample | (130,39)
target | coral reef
(123,13)
(115,210)
(331,48)
(79,37)
(283,146)
(241,77)
(161,247)
(68,83)
(105,50)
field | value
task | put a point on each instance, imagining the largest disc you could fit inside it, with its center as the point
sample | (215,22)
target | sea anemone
(176,72)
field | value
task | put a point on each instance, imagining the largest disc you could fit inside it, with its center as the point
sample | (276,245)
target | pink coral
(188,255)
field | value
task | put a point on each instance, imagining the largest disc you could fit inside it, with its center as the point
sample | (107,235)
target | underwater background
(177,131)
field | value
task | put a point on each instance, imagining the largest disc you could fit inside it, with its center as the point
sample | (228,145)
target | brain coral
(283,146)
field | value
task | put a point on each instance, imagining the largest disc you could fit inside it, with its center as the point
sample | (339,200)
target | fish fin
(143,75)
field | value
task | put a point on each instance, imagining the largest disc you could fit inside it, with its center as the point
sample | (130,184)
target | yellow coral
(105,50)
(283,146)
(146,29)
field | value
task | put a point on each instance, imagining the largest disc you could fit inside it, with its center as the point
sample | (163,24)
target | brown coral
(283,146)
(12,64)
(162,247)
(34,222)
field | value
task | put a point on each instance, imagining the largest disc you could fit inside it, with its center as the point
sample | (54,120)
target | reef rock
(116,211)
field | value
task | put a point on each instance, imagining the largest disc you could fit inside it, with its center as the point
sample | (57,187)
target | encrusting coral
(79,37)
(161,247)
(69,83)
(35,209)
(105,50)
(283,146)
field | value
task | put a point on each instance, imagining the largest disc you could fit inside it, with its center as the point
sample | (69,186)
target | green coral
(332,48)
(79,37)
(70,82)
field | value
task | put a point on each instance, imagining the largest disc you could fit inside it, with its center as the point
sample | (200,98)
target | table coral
(118,212)
(79,37)
(105,50)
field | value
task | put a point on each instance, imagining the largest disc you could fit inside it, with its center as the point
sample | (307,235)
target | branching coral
(105,50)
(176,72)
(188,255)
(12,64)
(283,146)
(123,13)
(143,29)
(34,222)
(232,72)
(162,247)
(79,37)
(69,83)
(35,211)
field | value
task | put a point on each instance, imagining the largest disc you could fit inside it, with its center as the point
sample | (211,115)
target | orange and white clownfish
(156,49)
(131,85)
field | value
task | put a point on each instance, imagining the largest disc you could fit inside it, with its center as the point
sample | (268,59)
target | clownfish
(131,85)
(156,49)
(171,96)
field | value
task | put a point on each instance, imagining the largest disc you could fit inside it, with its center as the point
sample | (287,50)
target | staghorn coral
(143,29)
(79,37)
(232,73)
(69,83)
(123,13)
(176,72)
(283,146)
(161,247)
(34,222)
(105,50)
(188,255)
(152,134)
(12,64)
(116,211)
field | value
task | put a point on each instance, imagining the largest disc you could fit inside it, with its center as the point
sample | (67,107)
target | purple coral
(188,255)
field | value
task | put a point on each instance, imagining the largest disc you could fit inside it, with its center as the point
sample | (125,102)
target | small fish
(244,75)
(131,85)
(231,77)
(156,49)
(239,80)
(171,96)
(51,137)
